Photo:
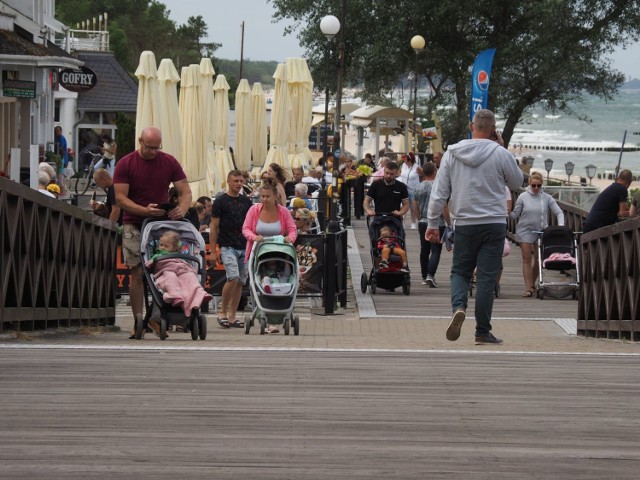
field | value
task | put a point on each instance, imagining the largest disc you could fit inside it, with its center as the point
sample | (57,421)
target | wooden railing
(57,264)
(609,303)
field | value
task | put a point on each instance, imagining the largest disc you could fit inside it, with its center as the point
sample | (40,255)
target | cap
(298,203)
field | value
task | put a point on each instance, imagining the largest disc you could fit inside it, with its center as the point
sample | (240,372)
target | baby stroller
(391,277)
(273,297)
(191,251)
(558,250)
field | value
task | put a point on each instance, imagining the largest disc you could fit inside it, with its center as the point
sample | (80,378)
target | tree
(191,37)
(548,51)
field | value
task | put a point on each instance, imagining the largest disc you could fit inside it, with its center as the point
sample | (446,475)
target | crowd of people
(461,191)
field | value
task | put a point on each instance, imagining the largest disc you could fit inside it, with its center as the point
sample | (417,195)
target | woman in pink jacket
(267,219)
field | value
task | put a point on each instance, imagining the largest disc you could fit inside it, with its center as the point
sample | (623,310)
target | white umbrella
(194,147)
(148,96)
(168,79)
(301,94)
(259,126)
(280,112)
(207,72)
(220,162)
(242,150)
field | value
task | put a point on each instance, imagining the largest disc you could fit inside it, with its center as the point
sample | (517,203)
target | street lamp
(329,26)
(548,165)
(417,43)
(591,172)
(568,167)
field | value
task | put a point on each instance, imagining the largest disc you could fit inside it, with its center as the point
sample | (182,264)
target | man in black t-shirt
(227,216)
(387,194)
(610,204)
(290,186)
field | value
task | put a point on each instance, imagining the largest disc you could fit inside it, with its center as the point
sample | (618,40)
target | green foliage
(125,133)
(547,50)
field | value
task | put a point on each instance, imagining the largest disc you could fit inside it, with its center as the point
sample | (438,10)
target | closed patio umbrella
(220,162)
(207,72)
(168,79)
(259,126)
(301,94)
(242,150)
(194,147)
(279,136)
(148,96)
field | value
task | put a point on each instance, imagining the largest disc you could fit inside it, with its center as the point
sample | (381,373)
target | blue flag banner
(480,81)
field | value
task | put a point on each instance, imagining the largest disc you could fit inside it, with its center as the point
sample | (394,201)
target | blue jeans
(477,246)
(429,252)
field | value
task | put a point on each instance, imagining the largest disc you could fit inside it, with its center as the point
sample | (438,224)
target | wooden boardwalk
(96,414)
(426,302)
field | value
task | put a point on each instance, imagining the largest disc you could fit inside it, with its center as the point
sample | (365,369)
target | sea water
(564,138)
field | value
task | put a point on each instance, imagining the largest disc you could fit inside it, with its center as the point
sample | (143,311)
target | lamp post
(591,172)
(329,26)
(568,167)
(417,43)
(548,165)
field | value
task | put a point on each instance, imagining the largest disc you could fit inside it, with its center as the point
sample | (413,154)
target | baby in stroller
(175,277)
(389,243)
(276,277)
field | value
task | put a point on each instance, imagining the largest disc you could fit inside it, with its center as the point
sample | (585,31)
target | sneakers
(413,226)
(430,281)
(384,264)
(405,269)
(424,281)
(453,330)
(488,339)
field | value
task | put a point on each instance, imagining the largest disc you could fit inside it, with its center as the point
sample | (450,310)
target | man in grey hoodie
(471,178)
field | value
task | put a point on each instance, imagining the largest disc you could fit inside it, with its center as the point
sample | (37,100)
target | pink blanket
(559,257)
(179,282)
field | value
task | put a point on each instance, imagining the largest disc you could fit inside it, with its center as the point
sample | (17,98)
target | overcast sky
(263,40)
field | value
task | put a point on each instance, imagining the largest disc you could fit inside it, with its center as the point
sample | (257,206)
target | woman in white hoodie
(532,210)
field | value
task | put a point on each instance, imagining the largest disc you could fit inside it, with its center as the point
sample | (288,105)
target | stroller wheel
(195,328)
(364,282)
(406,288)
(263,325)
(287,325)
(540,293)
(139,326)
(496,291)
(202,326)
(373,288)
(296,325)
(163,328)
(247,324)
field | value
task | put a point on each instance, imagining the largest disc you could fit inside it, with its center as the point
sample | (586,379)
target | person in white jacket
(472,175)
(532,212)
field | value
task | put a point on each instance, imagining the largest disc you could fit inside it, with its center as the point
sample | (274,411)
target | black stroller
(193,252)
(558,250)
(388,278)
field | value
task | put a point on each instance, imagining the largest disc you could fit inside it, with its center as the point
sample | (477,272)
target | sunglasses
(536,185)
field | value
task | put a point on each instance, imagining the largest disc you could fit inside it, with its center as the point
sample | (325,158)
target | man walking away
(472,176)
(429,252)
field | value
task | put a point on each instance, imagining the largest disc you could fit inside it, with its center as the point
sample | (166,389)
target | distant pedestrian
(610,204)
(429,252)
(472,177)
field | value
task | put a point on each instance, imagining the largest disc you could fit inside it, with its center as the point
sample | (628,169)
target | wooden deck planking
(425,301)
(274,415)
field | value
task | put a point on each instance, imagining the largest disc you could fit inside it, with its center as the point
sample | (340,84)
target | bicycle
(84,177)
